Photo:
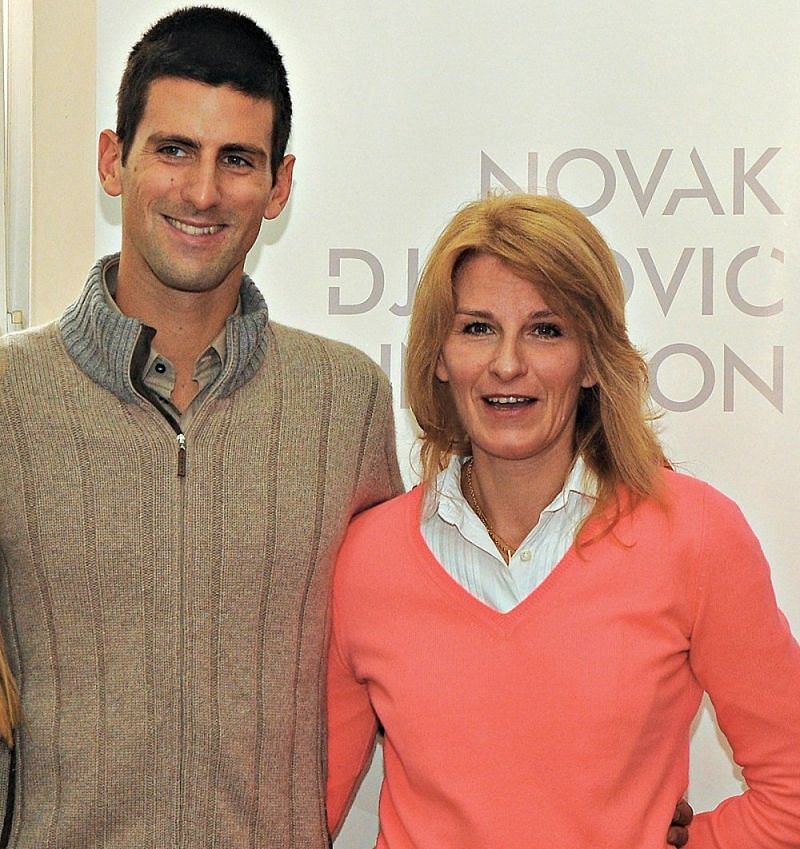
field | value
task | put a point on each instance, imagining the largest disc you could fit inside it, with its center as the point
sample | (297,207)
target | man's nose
(201,185)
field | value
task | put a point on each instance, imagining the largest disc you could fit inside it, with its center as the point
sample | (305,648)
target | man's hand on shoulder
(678,834)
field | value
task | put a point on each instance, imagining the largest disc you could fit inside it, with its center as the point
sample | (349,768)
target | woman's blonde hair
(9,699)
(549,242)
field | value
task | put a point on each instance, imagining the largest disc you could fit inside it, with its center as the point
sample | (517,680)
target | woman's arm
(745,657)
(352,728)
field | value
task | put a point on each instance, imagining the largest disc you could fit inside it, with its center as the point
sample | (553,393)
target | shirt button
(160,368)
(525,555)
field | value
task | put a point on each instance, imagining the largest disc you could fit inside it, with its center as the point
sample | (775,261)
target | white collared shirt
(461,543)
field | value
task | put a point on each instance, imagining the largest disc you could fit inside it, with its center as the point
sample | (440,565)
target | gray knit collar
(102,341)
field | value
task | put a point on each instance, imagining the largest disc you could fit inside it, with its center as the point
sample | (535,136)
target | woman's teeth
(508,400)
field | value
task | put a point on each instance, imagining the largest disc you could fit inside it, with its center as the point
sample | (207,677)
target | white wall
(675,123)
(3,317)
(50,154)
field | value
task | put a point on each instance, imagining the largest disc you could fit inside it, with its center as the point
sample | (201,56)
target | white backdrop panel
(674,125)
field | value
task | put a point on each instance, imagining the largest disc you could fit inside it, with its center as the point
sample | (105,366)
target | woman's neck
(511,494)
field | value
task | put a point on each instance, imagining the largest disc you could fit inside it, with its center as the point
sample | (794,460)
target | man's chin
(200,279)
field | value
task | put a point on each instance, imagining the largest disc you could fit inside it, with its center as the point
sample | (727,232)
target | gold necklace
(506,551)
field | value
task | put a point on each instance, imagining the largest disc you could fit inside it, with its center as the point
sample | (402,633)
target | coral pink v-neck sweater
(565,723)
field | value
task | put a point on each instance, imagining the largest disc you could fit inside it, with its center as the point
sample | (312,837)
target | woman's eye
(548,331)
(477,328)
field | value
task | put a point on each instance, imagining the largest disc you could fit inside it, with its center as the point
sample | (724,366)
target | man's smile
(194,229)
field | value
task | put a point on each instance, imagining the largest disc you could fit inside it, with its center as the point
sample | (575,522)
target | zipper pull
(181,455)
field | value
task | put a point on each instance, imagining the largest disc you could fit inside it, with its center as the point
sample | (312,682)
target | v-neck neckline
(498,621)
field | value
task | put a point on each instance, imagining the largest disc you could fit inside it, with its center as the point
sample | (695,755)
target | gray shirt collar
(103,342)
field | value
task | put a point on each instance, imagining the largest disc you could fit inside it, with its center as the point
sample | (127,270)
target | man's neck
(185,322)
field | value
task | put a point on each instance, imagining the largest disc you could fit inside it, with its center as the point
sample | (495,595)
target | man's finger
(677,836)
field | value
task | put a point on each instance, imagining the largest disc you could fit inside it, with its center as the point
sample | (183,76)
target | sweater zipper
(181,440)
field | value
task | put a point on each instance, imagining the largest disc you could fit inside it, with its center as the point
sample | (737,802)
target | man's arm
(379,478)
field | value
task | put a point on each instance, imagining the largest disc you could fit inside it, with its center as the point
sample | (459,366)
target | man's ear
(281,188)
(109,163)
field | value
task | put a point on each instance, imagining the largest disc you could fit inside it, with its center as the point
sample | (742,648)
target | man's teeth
(192,230)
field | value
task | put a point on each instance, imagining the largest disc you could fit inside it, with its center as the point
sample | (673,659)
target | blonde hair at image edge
(9,700)
(9,696)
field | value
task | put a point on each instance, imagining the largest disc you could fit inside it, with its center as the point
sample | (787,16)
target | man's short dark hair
(214,46)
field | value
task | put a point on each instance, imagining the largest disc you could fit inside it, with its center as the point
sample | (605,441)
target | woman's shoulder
(695,501)
(681,486)
(381,535)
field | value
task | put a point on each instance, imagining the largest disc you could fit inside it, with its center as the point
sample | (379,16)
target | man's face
(196,185)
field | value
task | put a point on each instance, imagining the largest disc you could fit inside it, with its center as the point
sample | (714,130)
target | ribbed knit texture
(168,632)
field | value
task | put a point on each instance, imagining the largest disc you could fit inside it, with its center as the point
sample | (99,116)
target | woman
(534,627)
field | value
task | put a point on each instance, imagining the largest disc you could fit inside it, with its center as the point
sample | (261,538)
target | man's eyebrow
(249,149)
(169,138)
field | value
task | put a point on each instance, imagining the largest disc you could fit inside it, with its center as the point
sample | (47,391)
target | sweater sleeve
(379,478)
(352,728)
(744,656)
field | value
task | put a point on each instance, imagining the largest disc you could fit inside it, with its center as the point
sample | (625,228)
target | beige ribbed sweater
(168,630)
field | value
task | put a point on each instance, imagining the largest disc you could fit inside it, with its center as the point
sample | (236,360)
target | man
(177,473)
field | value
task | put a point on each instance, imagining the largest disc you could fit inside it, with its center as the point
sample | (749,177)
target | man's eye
(236,161)
(172,150)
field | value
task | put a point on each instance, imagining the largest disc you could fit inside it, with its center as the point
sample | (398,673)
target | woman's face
(514,367)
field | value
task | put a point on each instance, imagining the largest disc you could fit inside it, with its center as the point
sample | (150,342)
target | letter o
(703,394)
(626,272)
(606,168)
